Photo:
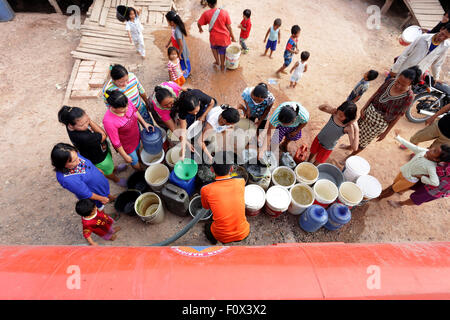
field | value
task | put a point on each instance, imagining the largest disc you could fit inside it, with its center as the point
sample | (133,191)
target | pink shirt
(123,131)
(163,113)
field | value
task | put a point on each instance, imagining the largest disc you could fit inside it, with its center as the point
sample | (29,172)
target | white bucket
(151,159)
(350,194)
(284,177)
(232,55)
(255,198)
(409,35)
(370,187)
(149,208)
(355,167)
(278,200)
(325,192)
(302,198)
(307,173)
(156,176)
(173,155)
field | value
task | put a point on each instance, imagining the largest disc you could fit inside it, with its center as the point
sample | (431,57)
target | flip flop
(121,167)
(403,147)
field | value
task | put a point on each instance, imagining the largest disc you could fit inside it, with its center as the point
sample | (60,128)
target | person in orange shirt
(225,198)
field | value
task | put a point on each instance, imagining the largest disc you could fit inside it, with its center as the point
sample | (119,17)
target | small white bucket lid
(358,165)
(370,186)
(411,33)
(278,197)
(255,196)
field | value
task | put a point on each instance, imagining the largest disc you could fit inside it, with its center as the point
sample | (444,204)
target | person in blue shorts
(291,49)
(274,37)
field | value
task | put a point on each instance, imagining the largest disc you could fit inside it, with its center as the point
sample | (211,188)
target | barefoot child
(274,37)
(96,221)
(135,30)
(291,49)
(90,139)
(174,67)
(422,166)
(342,121)
(245,27)
(300,67)
(362,86)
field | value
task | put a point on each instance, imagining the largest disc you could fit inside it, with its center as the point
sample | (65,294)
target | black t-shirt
(437,28)
(444,125)
(89,144)
(205,100)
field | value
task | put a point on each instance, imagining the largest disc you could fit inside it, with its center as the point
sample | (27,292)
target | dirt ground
(35,56)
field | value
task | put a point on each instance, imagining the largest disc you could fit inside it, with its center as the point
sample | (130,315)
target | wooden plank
(96,57)
(103,16)
(96,11)
(102,52)
(87,63)
(109,43)
(71,81)
(429,11)
(131,3)
(85,68)
(96,83)
(81,84)
(85,94)
(103,48)
(152,17)
(144,16)
(106,36)
(107,4)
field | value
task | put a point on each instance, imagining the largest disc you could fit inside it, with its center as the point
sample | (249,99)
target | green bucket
(186,169)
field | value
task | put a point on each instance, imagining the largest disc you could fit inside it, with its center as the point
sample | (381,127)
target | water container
(173,155)
(350,194)
(125,202)
(195,206)
(284,177)
(338,215)
(187,185)
(255,198)
(6,13)
(355,167)
(302,198)
(287,160)
(150,159)
(313,218)
(121,12)
(278,200)
(175,199)
(152,140)
(330,172)
(259,175)
(325,193)
(232,55)
(370,186)
(156,176)
(137,182)
(149,208)
(306,173)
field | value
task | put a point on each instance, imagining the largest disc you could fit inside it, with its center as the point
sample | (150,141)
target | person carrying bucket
(90,139)
(121,125)
(226,199)
(422,165)
(220,31)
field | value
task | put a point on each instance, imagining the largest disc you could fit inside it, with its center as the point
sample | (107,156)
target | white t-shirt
(213,119)
(135,27)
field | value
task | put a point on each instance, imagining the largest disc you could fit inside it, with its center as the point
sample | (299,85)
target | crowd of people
(85,167)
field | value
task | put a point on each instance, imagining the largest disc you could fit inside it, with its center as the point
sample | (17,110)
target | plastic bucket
(284,177)
(330,172)
(149,208)
(151,159)
(355,167)
(302,198)
(173,155)
(137,182)
(306,173)
(350,194)
(409,35)
(255,198)
(278,200)
(156,176)
(195,205)
(370,187)
(125,202)
(325,193)
(232,55)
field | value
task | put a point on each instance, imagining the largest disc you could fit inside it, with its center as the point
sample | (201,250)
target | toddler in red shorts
(341,122)
(95,220)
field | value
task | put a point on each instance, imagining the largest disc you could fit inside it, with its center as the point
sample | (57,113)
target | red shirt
(100,225)
(219,35)
(247,24)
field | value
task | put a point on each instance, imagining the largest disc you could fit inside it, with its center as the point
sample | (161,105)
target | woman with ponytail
(288,120)
(90,139)
(121,125)
(256,103)
(387,105)
(177,40)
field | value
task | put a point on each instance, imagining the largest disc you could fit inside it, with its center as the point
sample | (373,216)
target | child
(257,103)
(342,121)
(121,125)
(135,30)
(175,72)
(96,221)
(362,86)
(300,67)
(422,165)
(245,27)
(90,139)
(274,37)
(225,198)
(291,48)
(178,41)
(218,120)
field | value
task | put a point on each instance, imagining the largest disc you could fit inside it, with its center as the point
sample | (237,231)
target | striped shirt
(133,90)
(302,117)
(175,71)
